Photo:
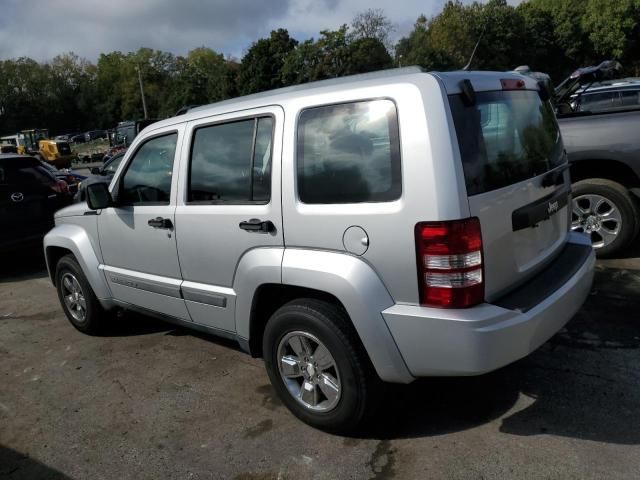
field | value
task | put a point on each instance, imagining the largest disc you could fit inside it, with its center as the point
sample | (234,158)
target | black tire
(622,199)
(360,387)
(93,318)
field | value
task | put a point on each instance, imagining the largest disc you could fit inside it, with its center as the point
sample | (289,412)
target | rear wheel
(318,366)
(78,301)
(604,210)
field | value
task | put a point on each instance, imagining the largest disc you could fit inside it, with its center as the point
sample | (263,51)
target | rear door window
(231,162)
(349,153)
(505,138)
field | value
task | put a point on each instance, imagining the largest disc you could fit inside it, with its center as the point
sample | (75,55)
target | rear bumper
(483,338)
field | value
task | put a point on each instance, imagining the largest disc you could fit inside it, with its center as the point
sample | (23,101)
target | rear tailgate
(516,179)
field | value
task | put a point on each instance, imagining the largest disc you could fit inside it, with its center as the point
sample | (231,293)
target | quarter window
(349,153)
(147,180)
(231,162)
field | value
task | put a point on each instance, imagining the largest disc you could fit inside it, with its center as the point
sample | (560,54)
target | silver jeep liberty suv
(368,229)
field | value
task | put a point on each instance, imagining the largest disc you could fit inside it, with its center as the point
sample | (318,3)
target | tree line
(70,93)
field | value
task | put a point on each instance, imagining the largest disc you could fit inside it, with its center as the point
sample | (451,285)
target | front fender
(76,239)
(361,292)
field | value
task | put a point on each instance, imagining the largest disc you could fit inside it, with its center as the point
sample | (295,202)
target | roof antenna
(484,27)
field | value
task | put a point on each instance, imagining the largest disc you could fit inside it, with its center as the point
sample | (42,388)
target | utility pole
(144,102)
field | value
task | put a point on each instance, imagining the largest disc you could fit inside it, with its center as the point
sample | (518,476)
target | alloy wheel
(597,216)
(73,297)
(309,371)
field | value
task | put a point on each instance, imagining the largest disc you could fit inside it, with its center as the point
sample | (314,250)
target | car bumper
(480,339)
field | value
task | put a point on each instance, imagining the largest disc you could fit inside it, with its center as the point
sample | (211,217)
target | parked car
(380,227)
(78,138)
(29,196)
(599,119)
(71,178)
(95,134)
(102,174)
(607,96)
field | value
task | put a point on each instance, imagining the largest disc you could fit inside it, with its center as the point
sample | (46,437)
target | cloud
(42,29)
(46,28)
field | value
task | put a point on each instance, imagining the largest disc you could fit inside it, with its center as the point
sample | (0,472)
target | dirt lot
(149,401)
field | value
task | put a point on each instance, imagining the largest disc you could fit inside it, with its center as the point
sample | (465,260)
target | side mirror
(95,170)
(98,196)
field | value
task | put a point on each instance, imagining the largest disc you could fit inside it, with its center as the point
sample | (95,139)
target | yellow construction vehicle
(36,142)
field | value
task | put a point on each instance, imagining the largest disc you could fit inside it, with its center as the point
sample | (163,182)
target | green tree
(72,85)
(570,41)
(614,30)
(262,65)
(111,72)
(200,78)
(26,100)
(301,64)
(336,53)
(417,49)
(368,55)
(540,50)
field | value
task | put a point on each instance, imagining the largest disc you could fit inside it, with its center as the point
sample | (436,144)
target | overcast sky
(41,29)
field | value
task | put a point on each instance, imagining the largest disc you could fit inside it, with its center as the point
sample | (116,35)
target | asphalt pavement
(148,400)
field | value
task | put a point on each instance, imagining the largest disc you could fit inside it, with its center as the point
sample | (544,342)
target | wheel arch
(608,169)
(344,280)
(72,239)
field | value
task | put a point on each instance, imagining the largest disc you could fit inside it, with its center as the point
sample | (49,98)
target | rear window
(505,138)
(24,171)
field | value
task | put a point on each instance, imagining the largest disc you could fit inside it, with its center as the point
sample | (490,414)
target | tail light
(512,84)
(60,186)
(449,260)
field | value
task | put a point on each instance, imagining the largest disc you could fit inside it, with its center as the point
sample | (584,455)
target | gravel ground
(150,401)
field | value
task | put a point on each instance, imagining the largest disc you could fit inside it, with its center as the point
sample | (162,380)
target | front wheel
(318,366)
(606,212)
(78,301)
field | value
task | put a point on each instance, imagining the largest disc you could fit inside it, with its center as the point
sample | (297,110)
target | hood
(73,210)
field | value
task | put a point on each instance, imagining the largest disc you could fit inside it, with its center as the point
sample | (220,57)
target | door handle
(257,225)
(160,222)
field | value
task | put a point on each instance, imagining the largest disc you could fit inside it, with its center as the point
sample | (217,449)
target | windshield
(113,164)
(505,138)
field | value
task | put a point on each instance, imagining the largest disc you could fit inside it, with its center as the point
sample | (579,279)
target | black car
(29,196)
(102,174)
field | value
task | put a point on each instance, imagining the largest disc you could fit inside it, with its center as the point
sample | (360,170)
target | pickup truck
(604,156)
(599,120)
